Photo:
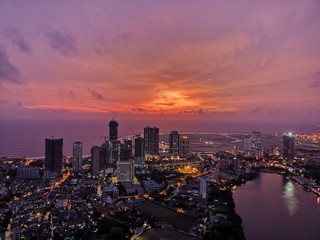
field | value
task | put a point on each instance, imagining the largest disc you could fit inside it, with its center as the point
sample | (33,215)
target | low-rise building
(151,186)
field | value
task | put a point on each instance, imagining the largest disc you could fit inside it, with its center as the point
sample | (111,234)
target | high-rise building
(138,151)
(174,138)
(113,130)
(125,171)
(77,156)
(126,149)
(113,146)
(113,151)
(53,155)
(256,145)
(184,145)
(139,147)
(256,140)
(247,143)
(95,160)
(236,164)
(203,187)
(151,141)
(288,146)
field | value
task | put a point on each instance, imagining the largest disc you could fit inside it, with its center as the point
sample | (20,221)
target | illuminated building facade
(247,143)
(77,156)
(288,146)
(256,145)
(125,171)
(203,187)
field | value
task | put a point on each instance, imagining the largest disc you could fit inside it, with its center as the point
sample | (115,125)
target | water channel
(273,207)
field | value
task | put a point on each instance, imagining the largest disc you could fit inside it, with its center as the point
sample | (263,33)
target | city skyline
(248,61)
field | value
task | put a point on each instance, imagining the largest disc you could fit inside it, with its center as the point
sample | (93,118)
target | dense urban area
(148,186)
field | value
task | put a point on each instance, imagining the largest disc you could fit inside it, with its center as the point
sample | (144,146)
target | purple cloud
(95,94)
(64,43)
(16,38)
(8,72)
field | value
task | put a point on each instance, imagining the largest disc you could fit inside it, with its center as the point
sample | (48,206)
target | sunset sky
(246,60)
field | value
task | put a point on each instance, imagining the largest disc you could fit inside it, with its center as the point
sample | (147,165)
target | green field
(177,220)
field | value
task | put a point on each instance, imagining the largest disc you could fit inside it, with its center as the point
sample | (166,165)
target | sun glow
(174,99)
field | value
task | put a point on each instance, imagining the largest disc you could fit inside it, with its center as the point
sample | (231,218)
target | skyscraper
(174,138)
(184,145)
(236,164)
(95,160)
(113,151)
(127,149)
(113,145)
(138,151)
(247,143)
(113,130)
(139,147)
(256,145)
(151,141)
(53,155)
(288,146)
(256,140)
(77,156)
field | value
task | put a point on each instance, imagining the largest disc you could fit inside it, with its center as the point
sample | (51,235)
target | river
(274,208)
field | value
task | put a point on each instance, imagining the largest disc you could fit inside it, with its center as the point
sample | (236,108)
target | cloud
(64,43)
(19,104)
(15,37)
(95,94)
(316,80)
(257,109)
(196,111)
(166,104)
(8,72)
(68,108)
(63,93)
(138,109)
(168,58)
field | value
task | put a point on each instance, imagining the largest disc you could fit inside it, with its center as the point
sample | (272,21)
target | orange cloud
(71,108)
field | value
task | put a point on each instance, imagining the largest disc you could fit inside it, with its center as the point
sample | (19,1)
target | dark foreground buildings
(53,155)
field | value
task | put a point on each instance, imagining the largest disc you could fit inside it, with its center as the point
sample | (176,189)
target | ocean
(21,137)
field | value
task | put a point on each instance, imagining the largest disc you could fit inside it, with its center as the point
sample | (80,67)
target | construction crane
(114,116)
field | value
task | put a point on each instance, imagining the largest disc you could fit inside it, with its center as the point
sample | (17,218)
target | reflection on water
(278,209)
(318,200)
(290,200)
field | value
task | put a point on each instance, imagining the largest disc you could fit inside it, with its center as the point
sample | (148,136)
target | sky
(218,60)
